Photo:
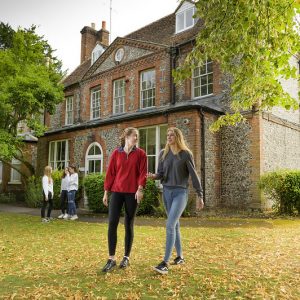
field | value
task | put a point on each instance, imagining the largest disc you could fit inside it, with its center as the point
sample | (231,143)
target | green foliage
(94,190)
(34,191)
(252,41)
(7,198)
(30,77)
(150,200)
(284,188)
(56,176)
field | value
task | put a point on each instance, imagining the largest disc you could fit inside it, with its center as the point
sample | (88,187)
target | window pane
(97,166)
(180,22)
(189,17)
(163,136)
(210,89)
(97,150)
(151,141)
(203,90)
(151,164)
(91,166)
(52,146)
(209,67)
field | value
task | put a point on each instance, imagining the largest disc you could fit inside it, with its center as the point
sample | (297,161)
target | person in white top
(47,182)
(72,189)
(64,194)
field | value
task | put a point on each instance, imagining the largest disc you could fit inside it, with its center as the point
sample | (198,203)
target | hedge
(284,188)
(94,190)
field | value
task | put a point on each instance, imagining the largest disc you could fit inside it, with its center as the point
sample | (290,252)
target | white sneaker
(44,220)
(75,217)
(66,216)
(61,216)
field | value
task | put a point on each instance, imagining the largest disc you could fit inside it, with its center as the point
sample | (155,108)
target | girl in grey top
(175,166)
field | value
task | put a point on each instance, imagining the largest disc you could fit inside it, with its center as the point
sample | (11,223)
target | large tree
(30,83)
(253,42)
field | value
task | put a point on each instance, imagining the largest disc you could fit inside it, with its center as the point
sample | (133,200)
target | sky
(60,21)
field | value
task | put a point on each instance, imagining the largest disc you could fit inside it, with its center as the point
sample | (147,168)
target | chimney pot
(93,25)
(104,25)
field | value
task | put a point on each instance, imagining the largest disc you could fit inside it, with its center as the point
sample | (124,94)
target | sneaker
(61,216)
(44,220)
(178,261)
(66,217)
(109,266)
(162,268)
(124,263)
(75,217)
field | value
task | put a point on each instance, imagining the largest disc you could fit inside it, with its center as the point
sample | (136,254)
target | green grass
(235,259)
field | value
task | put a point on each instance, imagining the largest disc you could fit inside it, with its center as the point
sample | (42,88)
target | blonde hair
(47,172)
(179,140)
(127,132)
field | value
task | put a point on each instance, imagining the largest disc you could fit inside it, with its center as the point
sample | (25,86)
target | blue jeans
(175,200)
(71,203)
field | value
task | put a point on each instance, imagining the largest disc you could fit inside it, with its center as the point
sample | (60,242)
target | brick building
(129,83)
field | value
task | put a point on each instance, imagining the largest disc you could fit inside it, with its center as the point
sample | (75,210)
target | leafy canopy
(30,77)
(253,42)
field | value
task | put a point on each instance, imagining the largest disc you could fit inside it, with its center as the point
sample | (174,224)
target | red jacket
(126,172)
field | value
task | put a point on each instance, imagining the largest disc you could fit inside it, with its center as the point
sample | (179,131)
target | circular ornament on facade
(119,55)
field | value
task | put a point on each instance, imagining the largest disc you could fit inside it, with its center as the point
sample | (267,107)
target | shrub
(94,190)
(7,198)
(284,188)
(34,191)
(150,200)
(56,175)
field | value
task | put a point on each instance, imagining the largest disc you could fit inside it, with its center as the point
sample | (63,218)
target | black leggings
(64,201)
(44,205)
(115,207)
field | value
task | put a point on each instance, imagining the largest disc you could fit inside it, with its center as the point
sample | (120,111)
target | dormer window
(184,17)
(98,50)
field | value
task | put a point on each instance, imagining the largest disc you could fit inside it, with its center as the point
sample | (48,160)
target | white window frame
(183,11)
(147,89)
(157,142)
(14,173)
(93,157)
(119,96)
(96,53)
(1,171)
(54,163)
(95,103)
(202,75)
(69,110)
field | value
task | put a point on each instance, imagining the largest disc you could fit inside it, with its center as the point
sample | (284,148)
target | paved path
(204,220)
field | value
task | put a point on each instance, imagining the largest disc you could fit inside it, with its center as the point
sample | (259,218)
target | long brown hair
(179,140)
(127,132)
(47,172)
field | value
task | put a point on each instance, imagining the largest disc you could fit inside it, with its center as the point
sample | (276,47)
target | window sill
(201,97)
(15,182)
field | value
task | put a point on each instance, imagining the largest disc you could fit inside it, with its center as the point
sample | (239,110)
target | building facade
(129,83)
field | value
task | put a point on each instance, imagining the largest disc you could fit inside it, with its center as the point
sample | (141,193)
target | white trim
(153,88)
(93,157)
(183,11)
(94,91)
(71,111)
(119,97)
(202,75)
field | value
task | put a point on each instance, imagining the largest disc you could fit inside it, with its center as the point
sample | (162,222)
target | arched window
(94,159)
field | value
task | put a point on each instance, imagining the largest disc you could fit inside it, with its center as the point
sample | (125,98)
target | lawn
(226,259)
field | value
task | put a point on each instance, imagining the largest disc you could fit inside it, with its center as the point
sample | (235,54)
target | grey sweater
(174,171)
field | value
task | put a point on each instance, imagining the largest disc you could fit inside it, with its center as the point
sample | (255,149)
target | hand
(46,199)
(151,175)
(105,199)
(199,204)
(139,195)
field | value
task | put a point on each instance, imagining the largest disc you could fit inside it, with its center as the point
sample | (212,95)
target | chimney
(89,39)
(103,35)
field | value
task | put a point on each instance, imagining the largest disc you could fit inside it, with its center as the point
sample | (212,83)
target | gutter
(202,136)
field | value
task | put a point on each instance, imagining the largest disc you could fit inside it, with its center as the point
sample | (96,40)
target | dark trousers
(115,206)
(44,205)
(64,201)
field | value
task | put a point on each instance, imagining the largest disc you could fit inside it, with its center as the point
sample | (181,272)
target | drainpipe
(173,52)
(202,151)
